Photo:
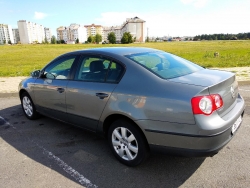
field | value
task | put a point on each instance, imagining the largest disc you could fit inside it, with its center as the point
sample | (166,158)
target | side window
(115,73)
(93,69)
(96,69)
(60,69)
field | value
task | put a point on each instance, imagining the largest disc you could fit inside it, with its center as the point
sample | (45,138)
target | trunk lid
(217,82)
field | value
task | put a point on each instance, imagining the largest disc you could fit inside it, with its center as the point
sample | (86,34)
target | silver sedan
(140,99)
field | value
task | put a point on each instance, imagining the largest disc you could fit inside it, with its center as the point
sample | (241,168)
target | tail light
(206,104)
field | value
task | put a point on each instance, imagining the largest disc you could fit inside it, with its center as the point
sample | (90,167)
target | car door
(49,89)
(86,95)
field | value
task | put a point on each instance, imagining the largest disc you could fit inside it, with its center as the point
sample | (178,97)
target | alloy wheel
(125,143)
(27,106)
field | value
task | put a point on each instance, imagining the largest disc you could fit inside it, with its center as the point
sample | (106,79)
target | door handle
(101,95)
(60,90)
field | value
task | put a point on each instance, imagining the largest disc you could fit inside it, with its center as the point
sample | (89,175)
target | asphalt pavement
(48,153)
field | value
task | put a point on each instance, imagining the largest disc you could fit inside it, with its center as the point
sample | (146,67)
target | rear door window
(98,69)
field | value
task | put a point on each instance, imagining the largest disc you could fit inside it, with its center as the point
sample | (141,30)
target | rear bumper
(205,138)
(204,146)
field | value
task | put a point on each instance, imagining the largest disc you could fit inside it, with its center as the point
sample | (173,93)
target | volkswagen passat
(140,99)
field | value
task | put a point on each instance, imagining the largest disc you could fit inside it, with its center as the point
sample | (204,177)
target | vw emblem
(232,92)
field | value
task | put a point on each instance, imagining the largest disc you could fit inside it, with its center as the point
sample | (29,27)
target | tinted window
(96,69)
(115,73)
(165,65)
(60,69)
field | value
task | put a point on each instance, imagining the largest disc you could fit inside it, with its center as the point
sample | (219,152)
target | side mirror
(35,73)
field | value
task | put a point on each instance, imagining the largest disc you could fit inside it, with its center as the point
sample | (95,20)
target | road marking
(244,90)
(68,169)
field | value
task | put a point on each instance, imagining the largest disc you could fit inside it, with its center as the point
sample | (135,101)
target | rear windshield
(165,65)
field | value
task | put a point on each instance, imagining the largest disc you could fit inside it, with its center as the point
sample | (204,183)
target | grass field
(20,60)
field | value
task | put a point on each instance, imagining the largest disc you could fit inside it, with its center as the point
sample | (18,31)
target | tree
(62,42)
(4,41)
(98,38)
(53,40)
(9,42)
(112,38)
(126,38)
(93,39)
(147,39)
(90,39)
(196,38)
(239,36)
(77,41)
(46,40)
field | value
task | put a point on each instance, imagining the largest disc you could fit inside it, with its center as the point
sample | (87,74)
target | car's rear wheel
(127,143)
(28,106)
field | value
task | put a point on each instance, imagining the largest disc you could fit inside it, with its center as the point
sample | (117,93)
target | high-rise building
(93,29)
(48,35)
(116,30)
(16,36)
(135,26)
(30,32)
(62,33)
(6,34)
(72,33)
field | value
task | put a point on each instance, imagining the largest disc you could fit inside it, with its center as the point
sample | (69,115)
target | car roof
(120,50)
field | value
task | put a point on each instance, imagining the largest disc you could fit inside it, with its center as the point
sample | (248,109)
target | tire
(127,143)
(28,107)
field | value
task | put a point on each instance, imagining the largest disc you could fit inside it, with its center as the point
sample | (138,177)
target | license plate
(236,124)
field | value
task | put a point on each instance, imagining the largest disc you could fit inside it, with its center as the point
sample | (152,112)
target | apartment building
(135,26)
(116,30)
(72,33)
(61,33)
(93,29)
(16,36)
(30,32)
(48,35)
(6,34)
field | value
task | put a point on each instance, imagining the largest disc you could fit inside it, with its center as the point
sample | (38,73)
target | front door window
(60,69)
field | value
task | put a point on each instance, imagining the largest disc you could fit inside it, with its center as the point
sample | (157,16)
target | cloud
(114,18)
(187,1)
(229,19)
(195,3)
(158,23)
(40,15)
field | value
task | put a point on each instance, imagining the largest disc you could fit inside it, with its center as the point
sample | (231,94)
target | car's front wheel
(127,143)
(28,106)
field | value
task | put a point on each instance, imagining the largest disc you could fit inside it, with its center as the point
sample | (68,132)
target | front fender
(26,85)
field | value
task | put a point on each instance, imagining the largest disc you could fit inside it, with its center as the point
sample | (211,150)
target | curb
(8,95)
(245,82)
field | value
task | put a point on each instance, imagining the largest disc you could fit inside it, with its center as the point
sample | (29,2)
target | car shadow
(52,143)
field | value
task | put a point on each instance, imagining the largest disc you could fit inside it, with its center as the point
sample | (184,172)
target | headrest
(96,66)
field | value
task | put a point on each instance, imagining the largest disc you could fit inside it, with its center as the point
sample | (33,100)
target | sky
(163,17)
